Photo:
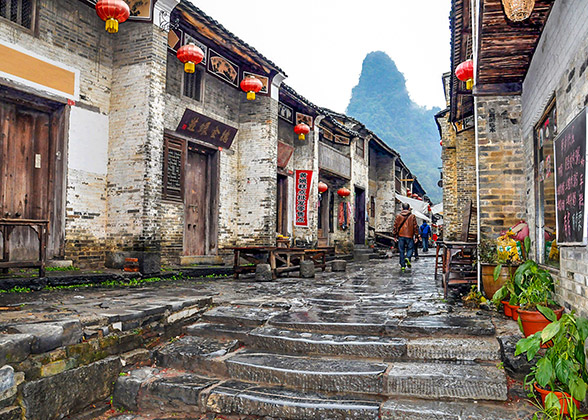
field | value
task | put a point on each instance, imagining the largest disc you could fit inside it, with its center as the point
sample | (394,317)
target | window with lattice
(173,169)
(193,84)
(20,12)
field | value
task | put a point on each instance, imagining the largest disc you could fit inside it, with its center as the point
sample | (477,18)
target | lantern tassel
(111,26)
(189,67)
(469,84)
(301,136)
(250,95)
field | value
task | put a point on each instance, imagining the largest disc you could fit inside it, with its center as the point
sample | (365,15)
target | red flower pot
(506,308)
(563,401)
(515,311)
(534,321)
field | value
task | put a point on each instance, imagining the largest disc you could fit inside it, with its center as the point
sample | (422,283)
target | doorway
(200,201)
(325,214)
(359,216)
(282,213)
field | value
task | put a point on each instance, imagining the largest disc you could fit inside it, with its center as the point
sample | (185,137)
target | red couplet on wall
(303,182)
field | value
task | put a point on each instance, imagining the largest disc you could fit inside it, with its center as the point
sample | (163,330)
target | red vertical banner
(303,182)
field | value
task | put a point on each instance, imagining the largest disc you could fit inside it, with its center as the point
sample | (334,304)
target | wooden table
(41,228)
(253,255)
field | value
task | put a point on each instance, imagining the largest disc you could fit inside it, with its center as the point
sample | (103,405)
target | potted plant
(537,289)
(508,296)
(495,272)
(559,376)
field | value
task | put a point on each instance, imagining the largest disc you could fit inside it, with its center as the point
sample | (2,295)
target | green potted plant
(508,296)
(537,290)
(495,272)
(559,376)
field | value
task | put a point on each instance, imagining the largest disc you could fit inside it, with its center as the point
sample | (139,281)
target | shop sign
(570,182)
(303,182)
(206,129)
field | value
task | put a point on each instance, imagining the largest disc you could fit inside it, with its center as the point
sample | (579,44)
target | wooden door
(359,216)
(282,213)
(196,203)
(323,219)
(25,173)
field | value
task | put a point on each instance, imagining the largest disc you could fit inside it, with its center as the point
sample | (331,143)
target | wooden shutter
(174,162)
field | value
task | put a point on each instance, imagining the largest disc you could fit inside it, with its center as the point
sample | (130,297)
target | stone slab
(441,324)
(399,409)
(239,315)
(235,397)
(446,380)
(126,388)
(15,348)
(454,348)
(70,391)
(349,322)
(294,342)
(196,354)
(308,374)
(219,331)
(51,335)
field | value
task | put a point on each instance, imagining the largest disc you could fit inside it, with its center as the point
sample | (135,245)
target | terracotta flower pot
(515,311)
(506,308)
(534,321)
(563,401)
(489,285)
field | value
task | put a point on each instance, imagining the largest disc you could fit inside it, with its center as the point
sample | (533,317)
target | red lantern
(251,85)
(302,129)
(322,187)
(112,12)
(441,143)
(465,73)
(429,209)
(343,192)
(190,55)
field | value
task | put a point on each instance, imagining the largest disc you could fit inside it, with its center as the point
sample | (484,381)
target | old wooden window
(544,133)
(360,147)
(193,84)
(372,206)
(174,158)
(21,12)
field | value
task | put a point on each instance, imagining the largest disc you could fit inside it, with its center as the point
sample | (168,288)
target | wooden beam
(499,89)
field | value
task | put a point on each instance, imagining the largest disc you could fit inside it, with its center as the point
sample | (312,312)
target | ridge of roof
(196,10)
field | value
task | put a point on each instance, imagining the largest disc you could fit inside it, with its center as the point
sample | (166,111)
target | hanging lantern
(322,187)
(112,12)
(465,73)
(343,192)
(302,130)
(429,209)
(441,143)
(251,85)
(190,55)
(518,10)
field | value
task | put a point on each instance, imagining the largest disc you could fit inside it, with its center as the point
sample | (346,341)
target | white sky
(321,44)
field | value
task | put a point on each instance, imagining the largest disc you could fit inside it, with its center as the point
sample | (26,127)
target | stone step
(453,349)
(240,315)
(400,409)
(307,373)
(446,380)
(219,331)
(234,397)
(362,321)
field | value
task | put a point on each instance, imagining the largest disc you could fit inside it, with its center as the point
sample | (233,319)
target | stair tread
(241,315)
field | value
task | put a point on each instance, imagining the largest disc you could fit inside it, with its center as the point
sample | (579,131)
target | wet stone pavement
(370,343)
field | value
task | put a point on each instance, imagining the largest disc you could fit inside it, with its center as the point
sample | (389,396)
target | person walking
(404,231)
(425,232)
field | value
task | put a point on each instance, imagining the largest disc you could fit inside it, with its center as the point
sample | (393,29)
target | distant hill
(381,102)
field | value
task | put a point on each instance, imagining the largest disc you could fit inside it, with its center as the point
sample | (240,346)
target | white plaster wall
(88,141)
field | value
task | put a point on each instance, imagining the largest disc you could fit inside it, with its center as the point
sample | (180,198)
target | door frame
(59,115)
(359,218)
(212,195)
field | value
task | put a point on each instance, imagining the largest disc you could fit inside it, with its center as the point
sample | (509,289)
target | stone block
(361,257)
(126,388)
(8,385)
(149,263)
(517,366)
(307,269)
(71,391)
(51,335)
(339,265)
(15,348)
(263,272)
(136,357)
(11,413)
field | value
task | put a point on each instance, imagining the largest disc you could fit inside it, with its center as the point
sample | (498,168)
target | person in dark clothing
(405,229)
(425,232)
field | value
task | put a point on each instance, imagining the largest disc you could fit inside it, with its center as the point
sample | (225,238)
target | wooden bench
(40,227)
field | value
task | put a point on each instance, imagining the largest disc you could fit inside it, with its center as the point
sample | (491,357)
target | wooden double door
(200,201)
(32,174)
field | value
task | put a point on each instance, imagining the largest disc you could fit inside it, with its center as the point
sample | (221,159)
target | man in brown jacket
(405,230)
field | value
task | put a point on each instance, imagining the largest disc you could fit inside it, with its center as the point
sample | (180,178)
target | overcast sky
(320,44)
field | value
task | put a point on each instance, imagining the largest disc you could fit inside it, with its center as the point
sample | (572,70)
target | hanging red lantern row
(190,55)
(112,12)
(251,85)
(322,187)
(465,73)
(302,130)
(343,192)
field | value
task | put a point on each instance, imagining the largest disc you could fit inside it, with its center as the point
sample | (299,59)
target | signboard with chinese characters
(570,182)
(206,129)
(285,112)
(304,118)
(223,68)
(303,182)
